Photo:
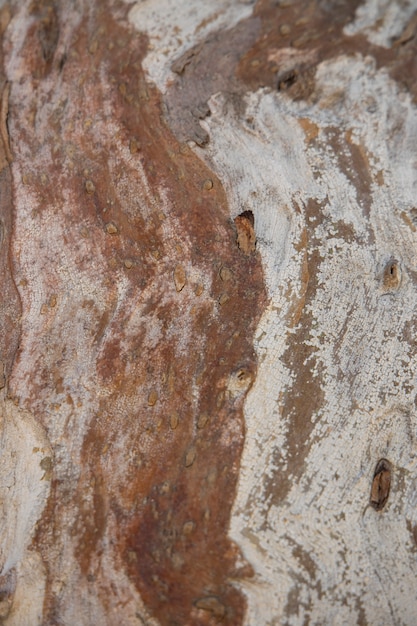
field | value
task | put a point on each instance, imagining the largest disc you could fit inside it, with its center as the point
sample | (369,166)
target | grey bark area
(208,357)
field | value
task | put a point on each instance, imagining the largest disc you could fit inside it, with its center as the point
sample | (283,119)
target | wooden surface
(208,353)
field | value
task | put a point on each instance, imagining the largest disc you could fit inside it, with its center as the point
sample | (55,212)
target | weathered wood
(208,235)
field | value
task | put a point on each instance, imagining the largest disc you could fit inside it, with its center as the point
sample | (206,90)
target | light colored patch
(286,58)
(23,493)
(23,490)
(27,607)
(322,542)
(382,21)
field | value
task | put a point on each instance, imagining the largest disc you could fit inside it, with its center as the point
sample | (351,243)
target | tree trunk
(208,353)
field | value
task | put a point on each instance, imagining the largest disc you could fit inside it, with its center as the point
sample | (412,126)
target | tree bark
(207,323)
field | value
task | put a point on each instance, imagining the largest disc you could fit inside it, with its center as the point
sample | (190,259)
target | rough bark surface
(208,357)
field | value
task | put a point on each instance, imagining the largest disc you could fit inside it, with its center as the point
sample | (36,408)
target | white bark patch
(24,467)
(27,605)
(381,20)
(25,464)
(322,544)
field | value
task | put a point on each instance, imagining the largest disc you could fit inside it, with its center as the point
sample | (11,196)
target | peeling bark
(208,234)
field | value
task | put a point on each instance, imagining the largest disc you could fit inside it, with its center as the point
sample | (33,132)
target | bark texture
(208,357)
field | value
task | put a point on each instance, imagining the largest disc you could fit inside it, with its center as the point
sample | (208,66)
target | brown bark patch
(302,400)
(293,39)
(156,481)
(10,309)
(354,163)
(10,303)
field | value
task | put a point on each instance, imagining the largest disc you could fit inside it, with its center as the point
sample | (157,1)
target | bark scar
(381,484)
(4,114)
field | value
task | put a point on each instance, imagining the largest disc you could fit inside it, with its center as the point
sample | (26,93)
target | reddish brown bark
(160,458)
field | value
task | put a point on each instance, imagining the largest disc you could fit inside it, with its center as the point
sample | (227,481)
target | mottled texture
(208,325)
(315,136)
(130,333)
(9,302)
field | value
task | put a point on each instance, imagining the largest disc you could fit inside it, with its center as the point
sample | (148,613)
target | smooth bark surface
(208,355)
